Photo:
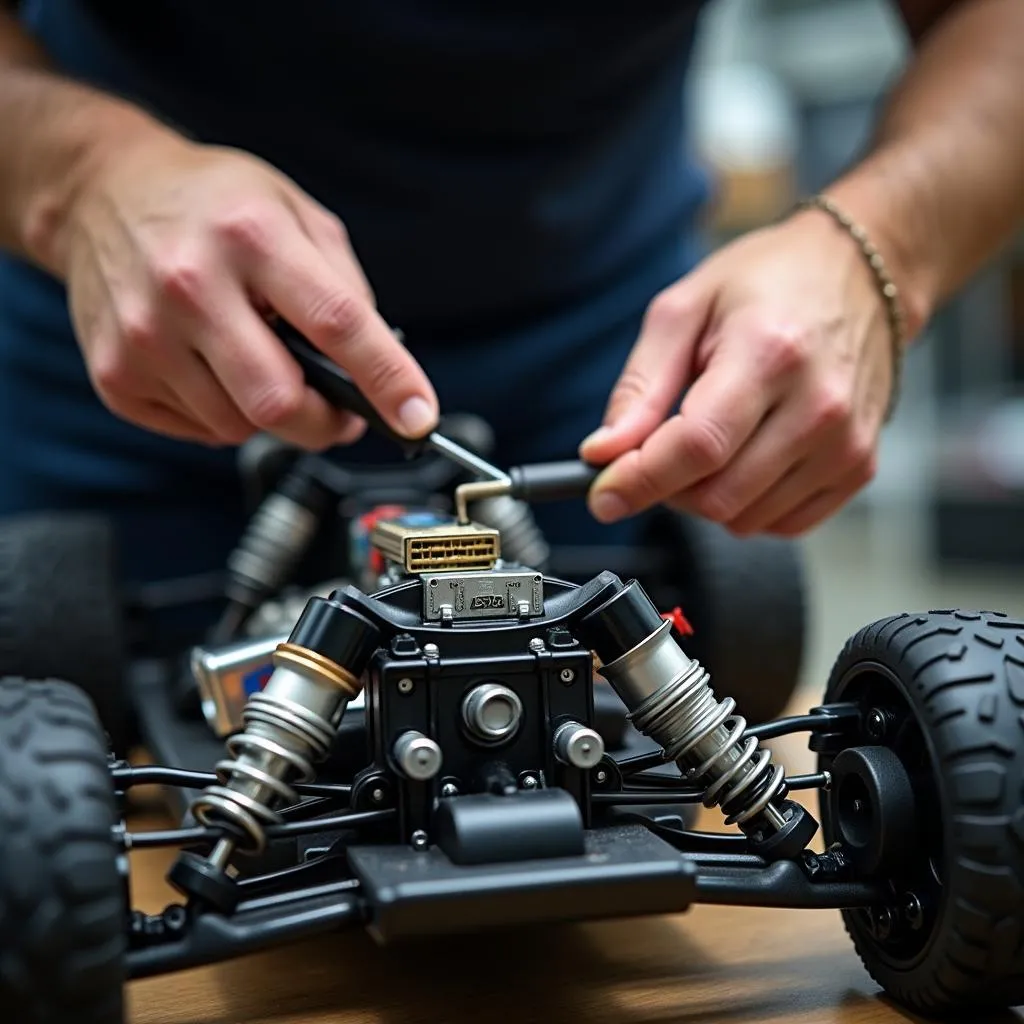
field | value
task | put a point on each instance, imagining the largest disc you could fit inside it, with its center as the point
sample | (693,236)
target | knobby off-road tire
(62,900)
(962,675)
(60,610)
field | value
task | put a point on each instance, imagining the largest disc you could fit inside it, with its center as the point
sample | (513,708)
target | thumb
(656,373)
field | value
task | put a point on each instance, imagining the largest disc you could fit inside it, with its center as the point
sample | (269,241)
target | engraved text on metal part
(481,595)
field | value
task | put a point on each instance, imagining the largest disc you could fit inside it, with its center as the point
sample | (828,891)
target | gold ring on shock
(289,655)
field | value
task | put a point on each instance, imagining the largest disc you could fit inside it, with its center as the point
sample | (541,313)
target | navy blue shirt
(513,175)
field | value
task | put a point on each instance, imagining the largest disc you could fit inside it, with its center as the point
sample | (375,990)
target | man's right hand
(174,254)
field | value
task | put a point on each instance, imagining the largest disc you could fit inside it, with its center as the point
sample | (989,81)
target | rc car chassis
(486,798)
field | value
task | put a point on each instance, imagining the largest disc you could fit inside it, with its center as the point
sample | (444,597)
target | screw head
(913,912)
(431,650)
(536,645)
(449,789)
(876,724)
(419,840)
(882,919)
(601,776)
(405,685)
(377,796)
(567,675)
(528,782)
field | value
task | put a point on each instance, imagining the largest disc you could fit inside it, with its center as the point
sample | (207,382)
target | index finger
(299,283)
(720,412)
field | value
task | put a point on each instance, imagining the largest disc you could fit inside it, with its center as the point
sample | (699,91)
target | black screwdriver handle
(552,481)
(331,381)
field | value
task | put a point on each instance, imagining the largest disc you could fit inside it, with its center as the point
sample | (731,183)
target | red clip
(678,621)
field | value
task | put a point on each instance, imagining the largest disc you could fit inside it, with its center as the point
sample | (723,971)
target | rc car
(180,692)
(481,795)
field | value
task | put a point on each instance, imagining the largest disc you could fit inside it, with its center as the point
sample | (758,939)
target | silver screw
(528,782)
(431,650)
(449,789)
(567,675)
(601,776)
(405,685)
(419,840)
(536,645)
(377,796)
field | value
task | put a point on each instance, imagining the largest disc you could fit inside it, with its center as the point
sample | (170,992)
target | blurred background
(783,98)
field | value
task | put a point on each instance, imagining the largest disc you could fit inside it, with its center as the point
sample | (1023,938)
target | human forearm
(942,189)
(56,131)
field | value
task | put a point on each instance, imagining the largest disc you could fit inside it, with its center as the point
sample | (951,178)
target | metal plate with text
(482,595)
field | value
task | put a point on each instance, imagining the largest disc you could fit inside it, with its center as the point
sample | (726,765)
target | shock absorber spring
(276,537)
(705,737)
(289,726)
(670,699)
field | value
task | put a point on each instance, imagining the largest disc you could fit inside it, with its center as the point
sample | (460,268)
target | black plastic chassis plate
(626,872)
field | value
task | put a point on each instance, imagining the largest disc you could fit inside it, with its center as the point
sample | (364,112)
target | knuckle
(137,331)
(832,408)
(110,373)
(275,405)
(715,504)
(707,445)
(667,309)
(631,386)
(785,347)
(337,316)
(247,226)
(334,228)
(181,279)
(858,451)
(643,480)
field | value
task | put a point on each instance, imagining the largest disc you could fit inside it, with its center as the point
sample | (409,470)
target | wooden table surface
(712,965)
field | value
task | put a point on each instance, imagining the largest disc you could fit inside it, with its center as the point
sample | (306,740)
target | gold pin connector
(437,547)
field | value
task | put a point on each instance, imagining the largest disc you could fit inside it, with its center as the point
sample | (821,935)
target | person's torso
(490,160)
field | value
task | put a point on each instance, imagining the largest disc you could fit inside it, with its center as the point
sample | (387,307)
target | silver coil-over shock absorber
(670,699)
(288,728)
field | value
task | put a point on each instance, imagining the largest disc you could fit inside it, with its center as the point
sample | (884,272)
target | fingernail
(607,507)
(417,416)
(599,435)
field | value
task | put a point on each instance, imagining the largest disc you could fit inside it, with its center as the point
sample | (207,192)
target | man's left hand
(781,344)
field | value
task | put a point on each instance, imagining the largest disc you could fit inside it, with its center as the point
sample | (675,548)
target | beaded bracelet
(886,286)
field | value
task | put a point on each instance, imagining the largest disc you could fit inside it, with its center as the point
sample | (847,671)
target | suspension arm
(782,884)
(209,937)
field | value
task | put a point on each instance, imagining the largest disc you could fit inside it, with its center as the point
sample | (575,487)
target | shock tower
(469,701)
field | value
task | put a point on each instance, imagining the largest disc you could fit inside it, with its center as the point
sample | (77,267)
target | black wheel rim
(902,932)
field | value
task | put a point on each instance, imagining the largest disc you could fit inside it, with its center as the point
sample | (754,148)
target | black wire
(647,796)
(200,834)
(157,775)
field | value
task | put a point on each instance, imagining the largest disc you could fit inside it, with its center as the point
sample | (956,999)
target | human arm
(781,337)
(173,253)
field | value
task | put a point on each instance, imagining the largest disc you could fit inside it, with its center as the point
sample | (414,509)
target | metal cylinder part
(288,728)
(418,757)
(578,745)
(492,712)
(670,699)
(275,537)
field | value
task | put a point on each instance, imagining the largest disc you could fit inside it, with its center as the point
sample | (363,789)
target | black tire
(60,610)
(62,897)
(745,598)
(960,676)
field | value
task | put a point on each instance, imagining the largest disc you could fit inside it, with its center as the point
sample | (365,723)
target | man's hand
(173,255)
(781,344)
